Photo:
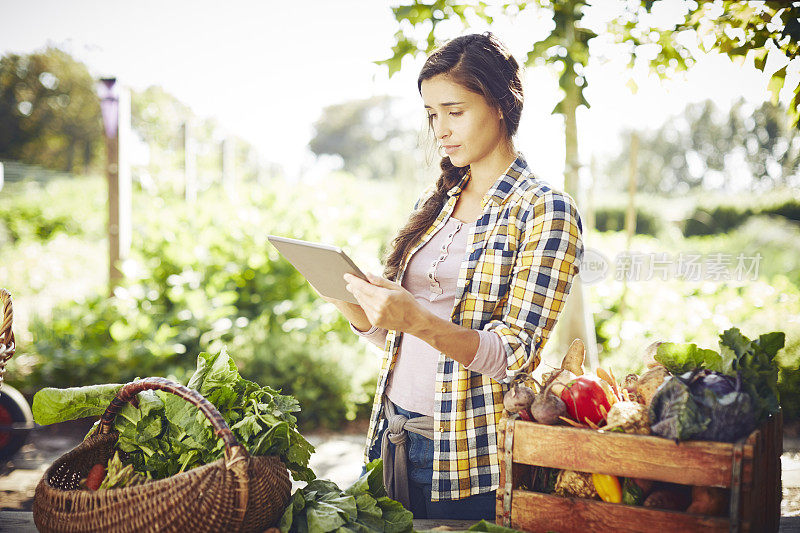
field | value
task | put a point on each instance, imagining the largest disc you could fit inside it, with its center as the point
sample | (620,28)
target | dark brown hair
(481,64)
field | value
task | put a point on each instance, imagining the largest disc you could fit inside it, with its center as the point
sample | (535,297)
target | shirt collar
(456,190)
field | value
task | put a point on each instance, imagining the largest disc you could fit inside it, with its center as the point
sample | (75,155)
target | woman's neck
(486,171)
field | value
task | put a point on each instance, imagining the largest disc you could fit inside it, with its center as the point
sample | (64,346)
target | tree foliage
(49,111)
(740,28)
(704,147)
(367,134)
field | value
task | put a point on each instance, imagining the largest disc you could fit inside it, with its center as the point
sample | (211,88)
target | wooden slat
(639,456)
(536,512)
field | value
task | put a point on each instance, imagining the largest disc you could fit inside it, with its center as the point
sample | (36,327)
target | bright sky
(266,69)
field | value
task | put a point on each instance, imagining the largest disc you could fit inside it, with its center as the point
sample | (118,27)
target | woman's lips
(451,149)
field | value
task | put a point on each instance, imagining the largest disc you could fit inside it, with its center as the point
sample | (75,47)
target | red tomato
(584,397)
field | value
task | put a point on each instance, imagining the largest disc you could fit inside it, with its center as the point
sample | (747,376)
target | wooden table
(22,522)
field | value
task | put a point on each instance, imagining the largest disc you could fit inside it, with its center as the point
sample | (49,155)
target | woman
(471,290)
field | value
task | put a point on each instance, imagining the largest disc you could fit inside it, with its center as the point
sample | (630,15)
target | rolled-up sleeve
(547,259)
(490,358)
(375,335)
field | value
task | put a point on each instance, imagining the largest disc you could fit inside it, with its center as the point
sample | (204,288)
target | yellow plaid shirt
(521,256)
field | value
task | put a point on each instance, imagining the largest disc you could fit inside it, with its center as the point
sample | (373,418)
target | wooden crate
(750,468)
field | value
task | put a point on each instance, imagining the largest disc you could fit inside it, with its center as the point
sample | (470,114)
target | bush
(790,210)
(199,279)
(727,215)
(719,219)
(612,218)
(35,212)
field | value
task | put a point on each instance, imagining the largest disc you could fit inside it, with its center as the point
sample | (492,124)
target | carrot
(95,477)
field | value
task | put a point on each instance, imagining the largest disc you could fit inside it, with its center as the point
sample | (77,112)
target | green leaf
(776,84)
(57,405)
(323,517)
(491,527)
(369,514)
(679,358)
(771,343)
(397,519)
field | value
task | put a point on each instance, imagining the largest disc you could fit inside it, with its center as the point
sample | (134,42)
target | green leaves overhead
(741,29)
(737,29)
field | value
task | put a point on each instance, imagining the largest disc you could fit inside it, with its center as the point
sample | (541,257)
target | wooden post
(112,174)
(124,166)
(117,121)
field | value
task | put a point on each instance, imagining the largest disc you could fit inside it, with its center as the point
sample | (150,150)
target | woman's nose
(443,130)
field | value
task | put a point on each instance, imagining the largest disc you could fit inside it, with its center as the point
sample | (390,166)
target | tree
(49,111)
(701,146)
(567,48)
(367,134)
(740,28)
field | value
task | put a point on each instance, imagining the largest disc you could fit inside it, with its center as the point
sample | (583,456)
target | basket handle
(7,344)
(129,391)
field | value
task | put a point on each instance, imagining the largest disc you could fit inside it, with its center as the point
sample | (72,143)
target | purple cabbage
(704,405)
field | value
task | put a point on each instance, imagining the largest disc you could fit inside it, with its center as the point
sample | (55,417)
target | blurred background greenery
(710,182)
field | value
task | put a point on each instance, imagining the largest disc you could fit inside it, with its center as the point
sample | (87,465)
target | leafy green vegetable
(704,405)
(632,493)
(363,507)
(674,413)
(491,527)
(680,358)
(753,362)
(167,435)
(57,405)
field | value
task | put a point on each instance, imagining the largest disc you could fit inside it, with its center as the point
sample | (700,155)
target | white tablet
(321,264)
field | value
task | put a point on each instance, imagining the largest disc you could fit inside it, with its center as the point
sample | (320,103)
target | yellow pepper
(608,487)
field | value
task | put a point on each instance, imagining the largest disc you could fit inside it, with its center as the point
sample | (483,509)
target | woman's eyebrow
(445,104)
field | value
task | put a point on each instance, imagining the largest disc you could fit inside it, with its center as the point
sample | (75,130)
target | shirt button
(444,389)
(441,427)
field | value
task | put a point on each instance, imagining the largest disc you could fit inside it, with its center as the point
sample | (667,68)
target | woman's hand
(352,312)
(386,303)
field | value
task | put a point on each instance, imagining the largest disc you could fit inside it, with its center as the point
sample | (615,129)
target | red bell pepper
(586,400)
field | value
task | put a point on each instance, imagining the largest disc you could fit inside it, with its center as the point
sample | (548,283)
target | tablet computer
(322,265)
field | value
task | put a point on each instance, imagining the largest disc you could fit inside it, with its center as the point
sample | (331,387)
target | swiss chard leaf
(680,358)
(57,405)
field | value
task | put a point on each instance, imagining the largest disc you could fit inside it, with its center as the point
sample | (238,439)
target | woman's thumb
(378,280)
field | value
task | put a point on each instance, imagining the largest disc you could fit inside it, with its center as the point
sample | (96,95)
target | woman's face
(463,120)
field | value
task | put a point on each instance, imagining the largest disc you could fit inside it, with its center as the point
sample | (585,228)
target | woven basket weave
(7,345)
(239,492)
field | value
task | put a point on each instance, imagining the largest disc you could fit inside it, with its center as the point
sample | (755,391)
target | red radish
(586,400)
(95,477)
(525,414)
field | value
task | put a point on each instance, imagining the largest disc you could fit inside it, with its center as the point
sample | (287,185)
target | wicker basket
(7,345)
(239,492)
